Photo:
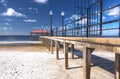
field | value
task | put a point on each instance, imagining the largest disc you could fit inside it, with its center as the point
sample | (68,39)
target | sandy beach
(35,62)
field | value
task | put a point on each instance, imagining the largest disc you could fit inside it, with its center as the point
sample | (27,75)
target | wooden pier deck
(89,45)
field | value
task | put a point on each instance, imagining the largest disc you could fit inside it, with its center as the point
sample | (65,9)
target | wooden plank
(66,55)
(115,41)
(57,50)
(72,51)
(51,47)
(86,62)
(117,66)
(108,44)
(95,40)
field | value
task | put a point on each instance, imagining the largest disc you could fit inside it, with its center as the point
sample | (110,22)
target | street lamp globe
(51,13)
(62,13)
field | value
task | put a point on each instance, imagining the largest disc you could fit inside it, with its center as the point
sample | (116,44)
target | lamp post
(42,30)
(51,14)
(62,14)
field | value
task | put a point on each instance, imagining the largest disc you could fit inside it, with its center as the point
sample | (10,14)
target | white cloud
(114,12)
(4,2)
(6,29)
(21,9)
(12,12)
(41,1)
(30,20)
(83,21)
(103,18)
(33,9)
(67,27)
(74,16)
(7,24)
(8,19)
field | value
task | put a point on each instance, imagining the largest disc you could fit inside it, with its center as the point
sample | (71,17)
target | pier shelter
(36,33)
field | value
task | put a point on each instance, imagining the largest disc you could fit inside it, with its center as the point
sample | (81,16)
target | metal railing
(93,21)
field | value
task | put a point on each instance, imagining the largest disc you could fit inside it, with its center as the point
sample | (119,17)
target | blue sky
(20,17)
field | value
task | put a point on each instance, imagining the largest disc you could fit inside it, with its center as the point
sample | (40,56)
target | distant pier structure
(36,33)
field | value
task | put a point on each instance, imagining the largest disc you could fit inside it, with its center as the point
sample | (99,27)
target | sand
(17,62)
(35,62)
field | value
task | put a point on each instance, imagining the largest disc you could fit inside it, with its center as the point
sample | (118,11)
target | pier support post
(66,55)
(51,46)
(72,51)
(86,62)
(57,49)
(117,66)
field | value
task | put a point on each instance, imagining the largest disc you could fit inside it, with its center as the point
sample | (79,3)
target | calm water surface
(17,38)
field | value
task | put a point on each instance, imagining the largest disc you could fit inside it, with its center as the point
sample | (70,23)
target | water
(16,38)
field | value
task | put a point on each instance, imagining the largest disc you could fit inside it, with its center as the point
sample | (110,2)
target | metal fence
(92,20)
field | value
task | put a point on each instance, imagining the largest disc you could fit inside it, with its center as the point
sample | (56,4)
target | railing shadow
(103,63)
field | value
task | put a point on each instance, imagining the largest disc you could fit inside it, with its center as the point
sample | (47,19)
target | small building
(36,33)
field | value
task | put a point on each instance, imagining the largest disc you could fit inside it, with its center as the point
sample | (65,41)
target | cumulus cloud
(12,12)
(41,1)
(114,12)
(30,20)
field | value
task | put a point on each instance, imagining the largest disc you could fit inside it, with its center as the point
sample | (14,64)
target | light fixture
(62,13)
(51,13)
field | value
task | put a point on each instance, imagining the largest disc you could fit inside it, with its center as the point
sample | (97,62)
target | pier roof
(39,32)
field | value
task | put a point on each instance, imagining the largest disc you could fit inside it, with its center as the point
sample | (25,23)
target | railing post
(56,31)
(62,25)
(101,14)
(87,29)
(117,66)
(65,31)
(119,23)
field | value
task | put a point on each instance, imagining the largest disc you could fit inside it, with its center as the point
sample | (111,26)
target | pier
(89,45)
(90,31)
